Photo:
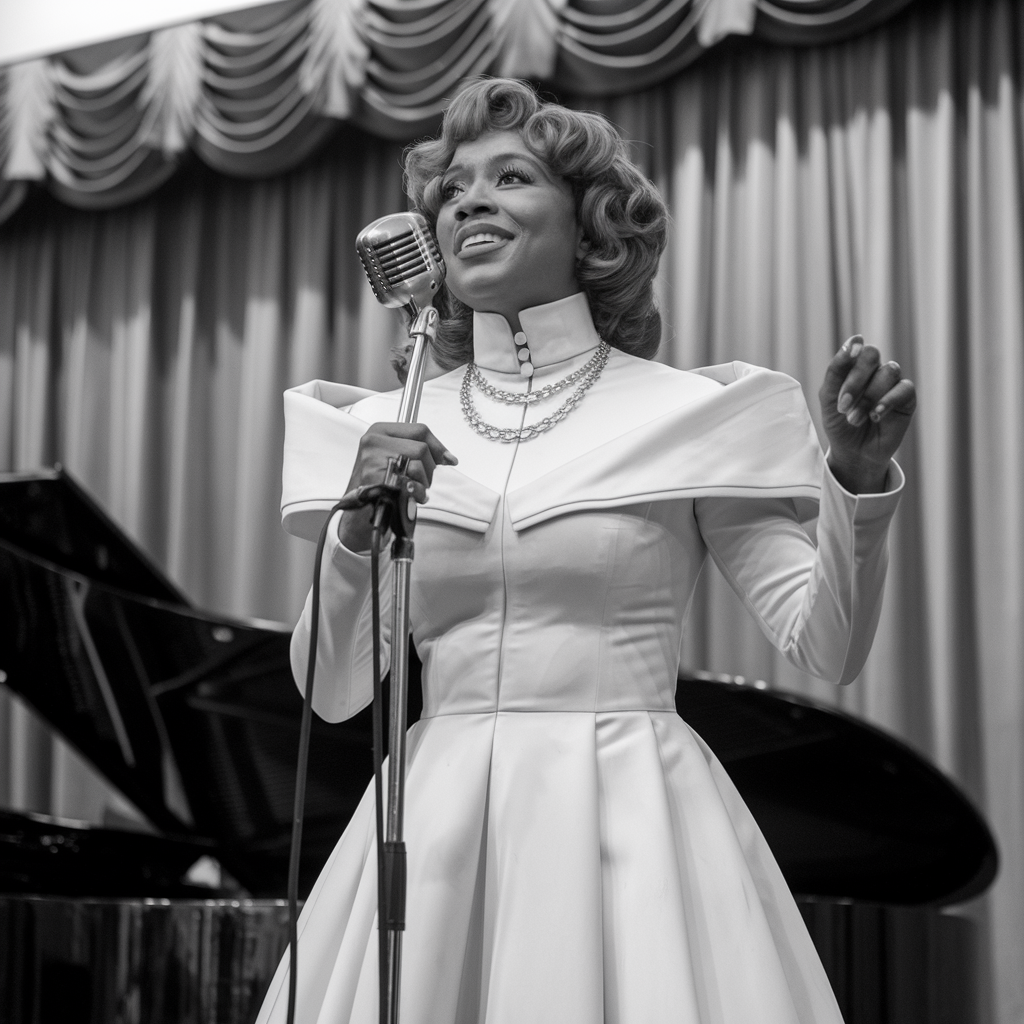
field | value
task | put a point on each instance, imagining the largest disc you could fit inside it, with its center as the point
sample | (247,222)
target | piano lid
(192,716)
(50,515)
(196,719)
(848,810)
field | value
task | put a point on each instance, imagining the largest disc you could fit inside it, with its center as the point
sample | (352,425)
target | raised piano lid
(48,513)
(848,810)
(192,716)
(195,718)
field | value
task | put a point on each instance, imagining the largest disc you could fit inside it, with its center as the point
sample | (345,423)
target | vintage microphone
(404,266)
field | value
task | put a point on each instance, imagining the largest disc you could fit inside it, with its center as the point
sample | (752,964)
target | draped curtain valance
(253,93)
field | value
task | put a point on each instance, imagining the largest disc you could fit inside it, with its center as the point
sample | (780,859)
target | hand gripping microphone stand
(405,269)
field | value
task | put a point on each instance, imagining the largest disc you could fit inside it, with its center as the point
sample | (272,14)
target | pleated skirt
(564,868)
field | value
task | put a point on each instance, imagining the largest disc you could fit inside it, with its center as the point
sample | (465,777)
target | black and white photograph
(512,512)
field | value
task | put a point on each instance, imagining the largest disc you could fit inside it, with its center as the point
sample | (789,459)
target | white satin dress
(577,855)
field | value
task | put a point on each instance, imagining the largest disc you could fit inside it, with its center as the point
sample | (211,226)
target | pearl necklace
(586,376)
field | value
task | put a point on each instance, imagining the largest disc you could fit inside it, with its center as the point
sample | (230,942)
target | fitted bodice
(582,613)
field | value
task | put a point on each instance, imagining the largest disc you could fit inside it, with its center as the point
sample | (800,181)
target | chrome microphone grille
(401,259)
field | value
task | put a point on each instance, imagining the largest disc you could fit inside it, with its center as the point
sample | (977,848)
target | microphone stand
(404,266)
(396,508)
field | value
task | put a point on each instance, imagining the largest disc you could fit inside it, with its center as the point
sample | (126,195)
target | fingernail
(449,459)
(876,413)
(845,401)
(850,341)
(856,417)
(855,349)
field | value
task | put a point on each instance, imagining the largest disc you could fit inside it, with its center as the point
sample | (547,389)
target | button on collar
(523,354)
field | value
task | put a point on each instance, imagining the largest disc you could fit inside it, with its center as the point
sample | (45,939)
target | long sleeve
(818,605)
(343,683)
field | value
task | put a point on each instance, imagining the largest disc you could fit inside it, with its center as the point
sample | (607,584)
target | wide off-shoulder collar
(646,433)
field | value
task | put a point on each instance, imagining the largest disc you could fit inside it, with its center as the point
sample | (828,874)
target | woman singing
(577,855)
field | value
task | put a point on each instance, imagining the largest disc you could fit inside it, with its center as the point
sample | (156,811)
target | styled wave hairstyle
(623,216)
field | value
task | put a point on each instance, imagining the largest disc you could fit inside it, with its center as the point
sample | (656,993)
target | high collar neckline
(555,331)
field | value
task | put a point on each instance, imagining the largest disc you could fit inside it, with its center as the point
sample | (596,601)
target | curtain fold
(255,92)
(791,21)
(873,185)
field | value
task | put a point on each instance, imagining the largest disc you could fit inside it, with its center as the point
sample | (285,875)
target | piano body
(195,719)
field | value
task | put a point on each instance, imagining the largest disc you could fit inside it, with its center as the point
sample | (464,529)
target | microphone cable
(302,766)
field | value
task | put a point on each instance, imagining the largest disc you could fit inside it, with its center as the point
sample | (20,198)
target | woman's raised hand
(866,406)
(381,442)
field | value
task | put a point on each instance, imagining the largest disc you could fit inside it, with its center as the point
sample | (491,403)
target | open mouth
(480,242)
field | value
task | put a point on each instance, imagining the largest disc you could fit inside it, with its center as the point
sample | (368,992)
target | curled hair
(623,216)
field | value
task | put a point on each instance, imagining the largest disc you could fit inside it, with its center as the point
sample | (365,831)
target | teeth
(483,236)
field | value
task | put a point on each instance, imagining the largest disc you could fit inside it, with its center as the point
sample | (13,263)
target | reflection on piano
(195,719)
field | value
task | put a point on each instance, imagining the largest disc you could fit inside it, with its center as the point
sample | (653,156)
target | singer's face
(507,227)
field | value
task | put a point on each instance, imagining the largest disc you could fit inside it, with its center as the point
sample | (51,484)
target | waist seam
(550,711)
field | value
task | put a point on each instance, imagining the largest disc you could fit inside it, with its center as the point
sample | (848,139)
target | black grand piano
(194,718)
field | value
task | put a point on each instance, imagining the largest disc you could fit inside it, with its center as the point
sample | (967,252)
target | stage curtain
(254,92)
(873,185)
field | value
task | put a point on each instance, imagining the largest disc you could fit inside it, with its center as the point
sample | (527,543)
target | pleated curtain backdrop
(253,92)
(875,185)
